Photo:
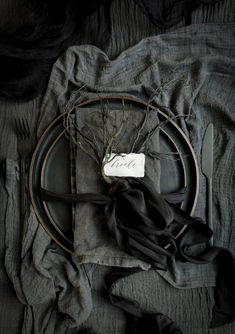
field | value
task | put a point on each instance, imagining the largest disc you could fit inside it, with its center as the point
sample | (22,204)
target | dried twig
(116,134)
(110,145)
(151,133)
(68,123)
(87,138)
(165,155)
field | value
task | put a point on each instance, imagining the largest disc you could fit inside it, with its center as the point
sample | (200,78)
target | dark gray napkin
(92,240)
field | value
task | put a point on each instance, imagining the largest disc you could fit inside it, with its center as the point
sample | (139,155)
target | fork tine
(21,124)
(22,128)
(27,128)
(22,131)
(17,127)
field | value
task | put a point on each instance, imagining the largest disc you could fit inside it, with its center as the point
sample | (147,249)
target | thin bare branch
(165,155)
(116,134)
(151,133)
(70,125)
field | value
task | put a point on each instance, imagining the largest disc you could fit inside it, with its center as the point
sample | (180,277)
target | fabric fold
(188,78)
(92,241)
(53,288)
(136,211)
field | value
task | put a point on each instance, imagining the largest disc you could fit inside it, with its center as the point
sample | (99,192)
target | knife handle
(209,207)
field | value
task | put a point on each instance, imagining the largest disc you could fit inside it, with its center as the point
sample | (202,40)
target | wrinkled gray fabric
(190,308)
(38,271)
(12,312)
(130,24)
(184,69)
(186,95)
(92,240)
(55,290)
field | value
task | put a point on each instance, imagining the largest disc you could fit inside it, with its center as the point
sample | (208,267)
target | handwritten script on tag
(124,165)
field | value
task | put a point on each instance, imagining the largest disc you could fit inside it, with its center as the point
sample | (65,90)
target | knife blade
(207,157)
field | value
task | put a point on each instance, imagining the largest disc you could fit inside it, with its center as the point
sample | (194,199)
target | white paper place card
(124,165)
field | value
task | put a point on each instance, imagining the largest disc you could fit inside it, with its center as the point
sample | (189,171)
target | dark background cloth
(33,37)
(166,13)
(35,32)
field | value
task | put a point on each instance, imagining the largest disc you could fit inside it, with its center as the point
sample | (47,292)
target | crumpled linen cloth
(193,71)
(55,291)
(189,72)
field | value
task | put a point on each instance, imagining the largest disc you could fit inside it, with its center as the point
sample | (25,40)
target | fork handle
(22,191)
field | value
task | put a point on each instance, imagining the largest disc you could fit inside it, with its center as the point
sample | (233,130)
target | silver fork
(22,131)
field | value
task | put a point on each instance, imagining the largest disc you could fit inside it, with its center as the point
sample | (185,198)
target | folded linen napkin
(93,242)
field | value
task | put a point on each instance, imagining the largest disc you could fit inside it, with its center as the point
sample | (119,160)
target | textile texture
(33,34)
(189,71)
(92,240)
(197,70)
(195,67)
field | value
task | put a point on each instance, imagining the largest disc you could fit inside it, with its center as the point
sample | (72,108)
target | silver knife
(207,168)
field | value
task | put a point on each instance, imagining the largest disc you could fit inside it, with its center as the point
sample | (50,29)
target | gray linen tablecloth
(186,71)
(53,290)
(195,79)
